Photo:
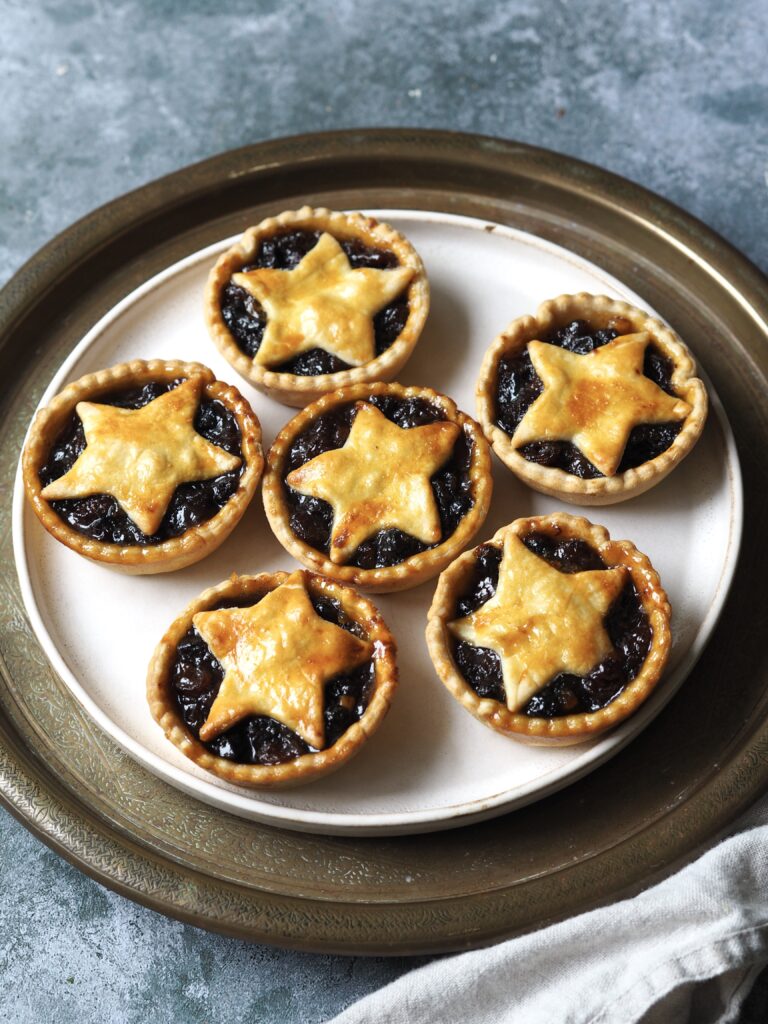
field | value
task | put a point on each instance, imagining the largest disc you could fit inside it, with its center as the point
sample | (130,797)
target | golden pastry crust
(600,312)
(419,567)
(294,389)
(310,766)
(176,552)
(568,729)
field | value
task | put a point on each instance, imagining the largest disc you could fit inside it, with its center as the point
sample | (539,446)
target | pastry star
(140,456)
(322,303)
(541,621)
(277,656)
(595,400)
(379,480)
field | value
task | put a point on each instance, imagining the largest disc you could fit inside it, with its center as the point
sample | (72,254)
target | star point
(277,656)
(379,479)
(321,303)
(541,621)
(595,400)
(140,456)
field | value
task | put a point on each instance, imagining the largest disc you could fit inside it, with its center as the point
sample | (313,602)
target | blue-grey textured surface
(99,97)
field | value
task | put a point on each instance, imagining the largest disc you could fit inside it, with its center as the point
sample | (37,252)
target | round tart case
(313,300)
(592,400)
(146,467)
(551,632)
(378,485)
(273,680)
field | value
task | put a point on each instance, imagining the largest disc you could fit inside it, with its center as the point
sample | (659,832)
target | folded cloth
(685,951)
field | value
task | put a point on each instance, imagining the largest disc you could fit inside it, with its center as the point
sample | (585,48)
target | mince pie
(147,466)
(592,400)
(378,484)
(273,679)
(550,632)
(313,300)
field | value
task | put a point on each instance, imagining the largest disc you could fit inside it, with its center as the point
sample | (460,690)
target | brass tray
(675,787)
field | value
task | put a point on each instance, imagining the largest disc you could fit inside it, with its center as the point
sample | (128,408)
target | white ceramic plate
(431,765)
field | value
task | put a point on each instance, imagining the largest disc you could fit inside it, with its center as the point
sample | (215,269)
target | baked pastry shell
(295,389)
(414,570)
(598,310)
(308,767)
(177,552)
(568,729)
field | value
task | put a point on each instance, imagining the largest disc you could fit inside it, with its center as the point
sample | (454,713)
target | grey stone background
(99,97)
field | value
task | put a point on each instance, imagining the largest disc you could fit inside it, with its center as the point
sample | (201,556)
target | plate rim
(62,819)
(392,823)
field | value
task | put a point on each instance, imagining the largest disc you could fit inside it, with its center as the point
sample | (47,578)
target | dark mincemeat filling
(101,516)
(518,386)
(246,320)
(196,676)
(626,622)
(312,518)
